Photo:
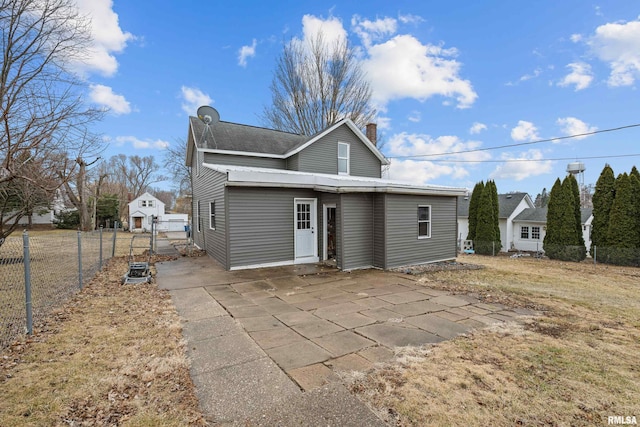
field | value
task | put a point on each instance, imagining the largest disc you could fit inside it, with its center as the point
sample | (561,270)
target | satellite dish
(208,115)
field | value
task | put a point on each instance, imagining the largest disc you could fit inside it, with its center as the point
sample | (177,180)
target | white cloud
(418,71)
(192,98)
(104,96)
(580,76)
(618,44)
(576,38)
(477,127)
(533,75)
(415,116)
(246,52)
(573,126)
(140,144)
(519,170)
(524,131)
(369,31)
(108,37)
(331,28)
(410,19)
(383,123)
(423,171)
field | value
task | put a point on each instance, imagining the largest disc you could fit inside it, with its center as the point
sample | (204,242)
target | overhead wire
(519,144)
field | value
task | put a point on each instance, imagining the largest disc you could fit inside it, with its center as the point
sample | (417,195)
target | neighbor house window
(142,203)
(198,216)
(212,215)
(424,222)
(343,158)
(535,233)
(524,232)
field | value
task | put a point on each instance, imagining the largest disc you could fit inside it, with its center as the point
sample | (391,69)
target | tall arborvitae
(485,231)
(635,188)
(575,191)
(496,214)
(552,239)
(473,209)
(602,201)
(622,222)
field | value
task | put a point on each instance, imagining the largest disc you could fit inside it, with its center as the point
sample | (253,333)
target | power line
(519,144)
(534,160)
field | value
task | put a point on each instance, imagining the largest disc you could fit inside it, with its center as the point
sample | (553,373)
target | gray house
(266,198)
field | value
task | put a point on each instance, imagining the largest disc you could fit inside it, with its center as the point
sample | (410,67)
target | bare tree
(175,163)
(317,84)
(42,116)
(136,173)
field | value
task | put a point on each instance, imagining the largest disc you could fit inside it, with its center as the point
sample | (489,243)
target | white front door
(305,230)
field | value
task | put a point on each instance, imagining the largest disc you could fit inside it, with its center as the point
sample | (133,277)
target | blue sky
(446,77)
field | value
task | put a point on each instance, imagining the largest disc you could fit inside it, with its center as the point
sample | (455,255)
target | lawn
(114,355)
(576,364)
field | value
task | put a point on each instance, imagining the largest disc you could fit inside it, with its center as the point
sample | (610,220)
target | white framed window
(149,203)
(424,222)
(212,215)
(343,158)
(199,221)
(142,203)
(524,232)
(535,233)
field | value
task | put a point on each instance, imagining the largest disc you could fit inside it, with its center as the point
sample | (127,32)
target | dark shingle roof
(532,215)
(540,215)
(507,202)
(237,137)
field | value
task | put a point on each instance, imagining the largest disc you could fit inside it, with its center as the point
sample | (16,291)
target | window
(524,232)
(145,203)
(198,216)
(343,158)
(535,233)
(424,222)
(304,216)
(212,215)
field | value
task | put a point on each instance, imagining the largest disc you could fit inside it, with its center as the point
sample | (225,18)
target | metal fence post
(595,252)
(80,258)
(493,248)
(115,231)
(100,247)
(27,281)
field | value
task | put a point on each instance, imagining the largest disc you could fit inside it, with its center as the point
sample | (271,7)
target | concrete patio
(250,333)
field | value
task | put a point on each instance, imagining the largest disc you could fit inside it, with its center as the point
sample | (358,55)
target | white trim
(243,153)
(428,221)
(212,214)
(314,228)
(279,178)
(348,158)
(325,237)
(266,264)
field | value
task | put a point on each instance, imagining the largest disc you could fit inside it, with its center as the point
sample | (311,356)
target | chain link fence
(39,273)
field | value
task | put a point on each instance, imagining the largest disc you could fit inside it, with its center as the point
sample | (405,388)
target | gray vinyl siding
(250,161)
(322,155)
(379,230)
(356,231)
(261,225)
(293,162)
(403,245)
(209,188)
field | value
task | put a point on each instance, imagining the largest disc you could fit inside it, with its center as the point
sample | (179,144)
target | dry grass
(113,355)
(574,365)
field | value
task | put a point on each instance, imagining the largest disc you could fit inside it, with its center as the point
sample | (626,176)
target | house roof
(147,196)
(232,138)
(507,203)
(265,177)
(540,215)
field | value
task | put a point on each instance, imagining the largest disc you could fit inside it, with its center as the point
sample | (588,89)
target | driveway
(308,322)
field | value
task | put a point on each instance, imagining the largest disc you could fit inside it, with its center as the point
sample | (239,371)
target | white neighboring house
(529,228)
(510,205)
(46,214)
(145,207)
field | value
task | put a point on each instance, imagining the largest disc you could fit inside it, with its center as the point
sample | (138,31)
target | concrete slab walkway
(256,338)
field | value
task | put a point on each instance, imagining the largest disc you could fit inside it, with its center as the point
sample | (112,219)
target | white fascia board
(262,177)
(243,153)
(355,130)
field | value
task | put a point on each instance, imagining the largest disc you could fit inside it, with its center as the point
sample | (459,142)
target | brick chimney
(372,133)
